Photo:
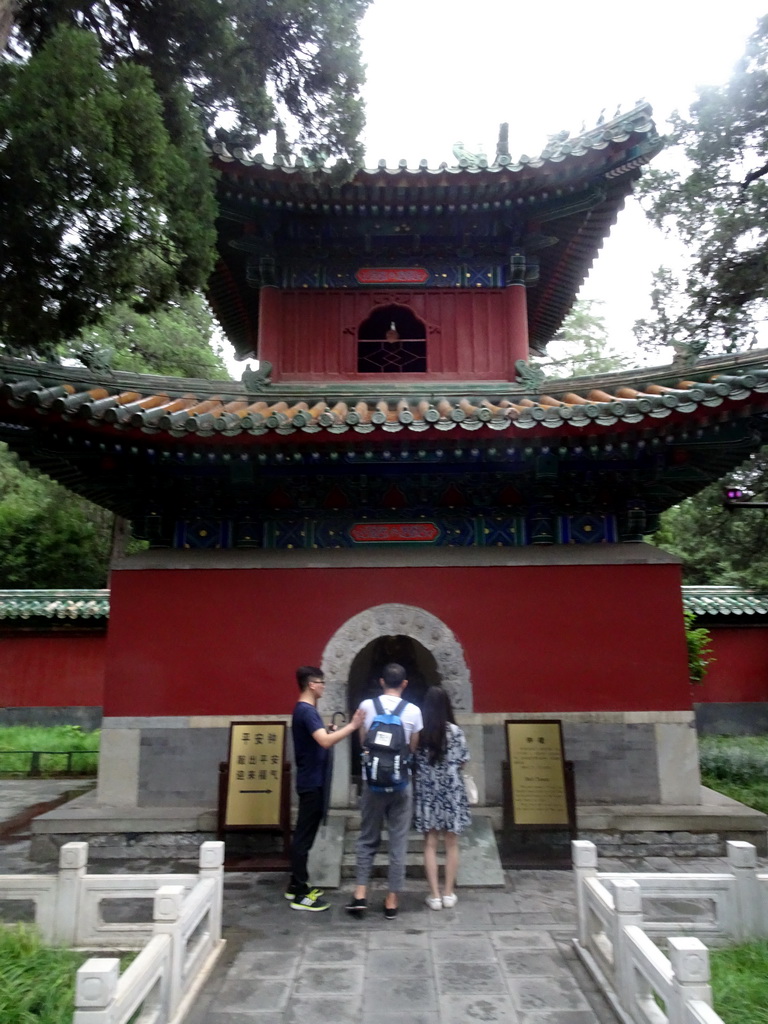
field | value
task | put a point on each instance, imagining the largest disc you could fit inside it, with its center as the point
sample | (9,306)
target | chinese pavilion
(397,480)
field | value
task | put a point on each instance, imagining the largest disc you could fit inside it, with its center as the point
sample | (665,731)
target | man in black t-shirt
(311,743)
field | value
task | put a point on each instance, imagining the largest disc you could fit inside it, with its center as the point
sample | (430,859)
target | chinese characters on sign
(391,275)
(385,533)
(256,754)
(538,773)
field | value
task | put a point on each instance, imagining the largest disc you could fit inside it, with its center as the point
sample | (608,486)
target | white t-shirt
(411,716)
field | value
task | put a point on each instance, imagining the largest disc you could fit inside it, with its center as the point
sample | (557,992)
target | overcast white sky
(442,71)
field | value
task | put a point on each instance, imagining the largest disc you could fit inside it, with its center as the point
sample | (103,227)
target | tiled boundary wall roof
(54,604)
(92,604)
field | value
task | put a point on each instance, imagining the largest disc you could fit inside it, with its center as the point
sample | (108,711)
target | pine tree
(718,206)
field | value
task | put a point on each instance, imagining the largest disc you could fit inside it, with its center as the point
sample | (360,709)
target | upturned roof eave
(624,138)
(148,384)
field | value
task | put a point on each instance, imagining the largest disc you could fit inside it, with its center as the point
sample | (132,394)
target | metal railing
(36,763)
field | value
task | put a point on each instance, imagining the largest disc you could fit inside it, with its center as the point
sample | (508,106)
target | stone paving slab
(479,961)
(501,955)
(18,795)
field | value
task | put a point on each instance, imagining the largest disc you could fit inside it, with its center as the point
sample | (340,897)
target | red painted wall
(311,335)
(546,638)
(740,669)
(54,670)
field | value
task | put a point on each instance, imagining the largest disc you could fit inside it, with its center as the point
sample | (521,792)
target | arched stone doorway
(352,656)
(365,670)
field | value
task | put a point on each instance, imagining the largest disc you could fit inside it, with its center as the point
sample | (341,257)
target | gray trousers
(376,809)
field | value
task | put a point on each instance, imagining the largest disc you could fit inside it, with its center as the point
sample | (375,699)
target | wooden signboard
(255,793)
(540,786)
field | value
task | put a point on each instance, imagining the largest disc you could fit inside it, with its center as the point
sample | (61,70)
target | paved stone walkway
(499,955)
(502,954)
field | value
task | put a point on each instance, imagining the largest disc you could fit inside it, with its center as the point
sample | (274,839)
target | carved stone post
(73,863)
(690,969)
(584,861)
(95,988)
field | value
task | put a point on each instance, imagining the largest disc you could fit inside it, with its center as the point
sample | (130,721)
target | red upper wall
(535,638)
(740,669)
(311,335)
(51,671)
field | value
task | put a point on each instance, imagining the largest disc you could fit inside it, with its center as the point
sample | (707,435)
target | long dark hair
(437,713)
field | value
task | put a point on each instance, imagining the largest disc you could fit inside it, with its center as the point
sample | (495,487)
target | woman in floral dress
(440,802)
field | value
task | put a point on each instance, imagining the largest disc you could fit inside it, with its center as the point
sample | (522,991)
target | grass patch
(36,983)
(16,739)
(736,766)
(754,795)
(740,983)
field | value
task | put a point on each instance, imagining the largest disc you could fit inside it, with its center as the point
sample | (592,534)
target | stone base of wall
(619,758)
(88,718)
(737,718)
(627,845)
(180,848)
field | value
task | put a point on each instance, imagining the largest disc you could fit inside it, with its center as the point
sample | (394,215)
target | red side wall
(43,671)
(740,669)
(310,335)
(546,638)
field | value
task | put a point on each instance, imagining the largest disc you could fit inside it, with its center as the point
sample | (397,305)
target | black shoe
(356,906)
(390,913)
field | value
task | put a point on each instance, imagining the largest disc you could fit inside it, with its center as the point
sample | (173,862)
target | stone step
(333,854)
(415,841)
(414,864)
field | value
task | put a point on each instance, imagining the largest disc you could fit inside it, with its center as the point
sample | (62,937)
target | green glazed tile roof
(54,604)
(724,601)
(92,604)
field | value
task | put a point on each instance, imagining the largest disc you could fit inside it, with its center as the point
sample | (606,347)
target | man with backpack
(388,736)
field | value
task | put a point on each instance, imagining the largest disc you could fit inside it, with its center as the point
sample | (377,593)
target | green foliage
(97,203)
(698,640)
(720,546)
(742,759)
(736,767)
(64,738)
(268,65)
(106,192)
(581,346)
(718,206)
(739,977)
(48,737)
(177,341)
(36,983)
(49,538)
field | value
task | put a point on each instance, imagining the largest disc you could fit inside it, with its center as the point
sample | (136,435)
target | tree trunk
(7,15)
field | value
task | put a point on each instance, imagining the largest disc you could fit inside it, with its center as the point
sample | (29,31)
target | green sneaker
(290,893)
(312,901)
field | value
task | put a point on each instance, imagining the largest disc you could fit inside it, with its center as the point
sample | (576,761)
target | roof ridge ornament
(532,377)
(687,354)
(255,381)
(467,158)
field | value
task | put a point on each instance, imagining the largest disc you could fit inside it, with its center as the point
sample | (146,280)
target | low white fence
(179,944)
(621,914)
